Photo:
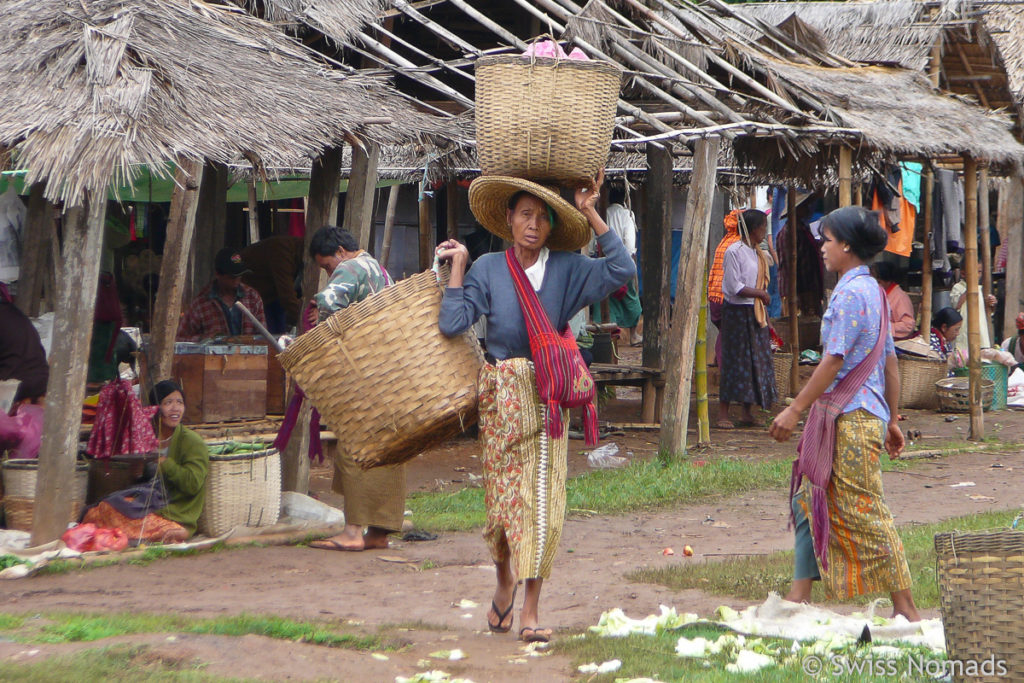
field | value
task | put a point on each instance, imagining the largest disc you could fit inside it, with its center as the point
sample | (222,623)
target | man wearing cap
(212,312)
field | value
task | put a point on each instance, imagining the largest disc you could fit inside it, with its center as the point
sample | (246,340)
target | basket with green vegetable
(243,487)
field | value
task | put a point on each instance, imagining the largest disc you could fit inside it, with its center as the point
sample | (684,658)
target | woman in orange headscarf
(715,296)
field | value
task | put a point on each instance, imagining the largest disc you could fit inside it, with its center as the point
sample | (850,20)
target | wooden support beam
(791,295)
(1011,219)
(389,226)
(69,357)
(362,189)
(211,220)
(181,223)
(683,331)
(983,232)
(926,254)
(35,251)
(254,212)
(845,176)
(426,249)
(975,308)
(970,70)
(656,252)
(935,61)
(451,200)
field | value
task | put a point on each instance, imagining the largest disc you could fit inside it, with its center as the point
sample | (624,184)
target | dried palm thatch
(92,90)
(340,19)
(1007,31)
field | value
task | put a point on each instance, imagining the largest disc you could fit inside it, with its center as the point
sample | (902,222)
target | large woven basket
(242,490)
(981,581)
(20,492)
(544,119)
(384,378)
(107,475)
(955,395)
(783,363)
(917,381)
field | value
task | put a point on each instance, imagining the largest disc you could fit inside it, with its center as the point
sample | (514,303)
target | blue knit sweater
(571,281)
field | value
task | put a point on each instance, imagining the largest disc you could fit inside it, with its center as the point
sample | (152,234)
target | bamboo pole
(65,390)
(845,176)
(791,295)
(683,331)
(389,226)
(985,234)
(254,216)
(973,305)
(451,204)
(426,230)
(700,359)
(1011,215)
(926,255)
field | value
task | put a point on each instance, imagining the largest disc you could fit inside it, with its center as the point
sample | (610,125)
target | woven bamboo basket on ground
(107,475)
(917,381)
(242,489)
(783,363)
(384,378)
(544,119)
(955,395)
(20,492)
(981,582)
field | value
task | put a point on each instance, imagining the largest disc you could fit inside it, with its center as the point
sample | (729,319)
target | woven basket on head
(384,378)
(955,394)
(981,579)
(917,381)
(242,489)
(544,119)
(20,492)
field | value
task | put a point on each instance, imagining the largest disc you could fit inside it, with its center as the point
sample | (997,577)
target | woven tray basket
(544,119)
(20,492)
(981,582)
(954,394)
(242,489)
(783,362)
(917,382)
(384,378)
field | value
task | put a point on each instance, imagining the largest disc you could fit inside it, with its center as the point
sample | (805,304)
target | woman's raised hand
(586,196)
(452,249)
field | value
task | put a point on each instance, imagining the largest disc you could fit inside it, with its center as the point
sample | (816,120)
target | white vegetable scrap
(692,647)
(450,655)
(602,668)
(435,676)
(616,624)
(379,657)
(748,661)
(466,604)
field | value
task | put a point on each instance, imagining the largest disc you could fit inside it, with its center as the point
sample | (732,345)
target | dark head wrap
(162,390)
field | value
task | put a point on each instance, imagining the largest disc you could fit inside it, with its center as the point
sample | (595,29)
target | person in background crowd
(748,375)
(901,310)
(22,358)
(275,264)
(946,324)
(624,303)
(212,312)
(731,223)
(986,305)
(374,498)
(1015,345)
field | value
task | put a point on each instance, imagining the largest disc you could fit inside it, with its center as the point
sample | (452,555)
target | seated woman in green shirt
(166,509)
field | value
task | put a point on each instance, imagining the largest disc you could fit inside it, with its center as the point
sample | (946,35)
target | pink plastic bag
(23,431)
(109,539)
(551,50)
(80,537)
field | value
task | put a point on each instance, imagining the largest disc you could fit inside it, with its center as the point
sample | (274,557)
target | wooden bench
(650,380)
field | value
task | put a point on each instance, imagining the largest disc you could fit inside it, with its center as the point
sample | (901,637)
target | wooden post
(1011,214)
(700,359)
(389,226)
(69,356)
(935,61)
(254,213)
(791,295)
(845,176)
(211,219)
(181,224)
(973,305)
(451,198)
(858,199)
(683,331)
(34,251)
(983,231)
(362,188)
(426,230)
(656,252)
(926,256)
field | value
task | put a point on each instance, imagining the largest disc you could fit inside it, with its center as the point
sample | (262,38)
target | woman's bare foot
(353,539)
(375,538)
(903,603)
(800,591)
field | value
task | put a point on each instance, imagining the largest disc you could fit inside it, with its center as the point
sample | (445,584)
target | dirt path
(392,587)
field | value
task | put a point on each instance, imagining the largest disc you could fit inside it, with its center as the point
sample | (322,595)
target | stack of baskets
(242,490)
(981,579)
(20,491)
(954,394)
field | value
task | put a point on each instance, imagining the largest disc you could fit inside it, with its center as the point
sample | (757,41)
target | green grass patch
(66,628)
(753,577)
(105,664)
(641,484)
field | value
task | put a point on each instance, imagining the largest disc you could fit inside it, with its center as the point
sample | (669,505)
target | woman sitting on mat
(946,324)
(525,466)
(845,534)
(165,509)
(748,375)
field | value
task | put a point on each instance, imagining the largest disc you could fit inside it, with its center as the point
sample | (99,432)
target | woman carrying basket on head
(845,533)
(524,452)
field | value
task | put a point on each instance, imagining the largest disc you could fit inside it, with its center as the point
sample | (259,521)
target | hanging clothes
(910,172)
(810,271)
(901,236)
(123,425)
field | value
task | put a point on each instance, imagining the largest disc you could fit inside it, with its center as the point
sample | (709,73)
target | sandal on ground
(537,634)
(724,424)
(503,615)
(330,544)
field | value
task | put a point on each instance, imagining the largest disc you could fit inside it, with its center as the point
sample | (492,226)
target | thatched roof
(93,88)
(1006,27)
(341,19)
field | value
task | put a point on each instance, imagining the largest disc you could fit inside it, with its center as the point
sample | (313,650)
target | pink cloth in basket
(552,50)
